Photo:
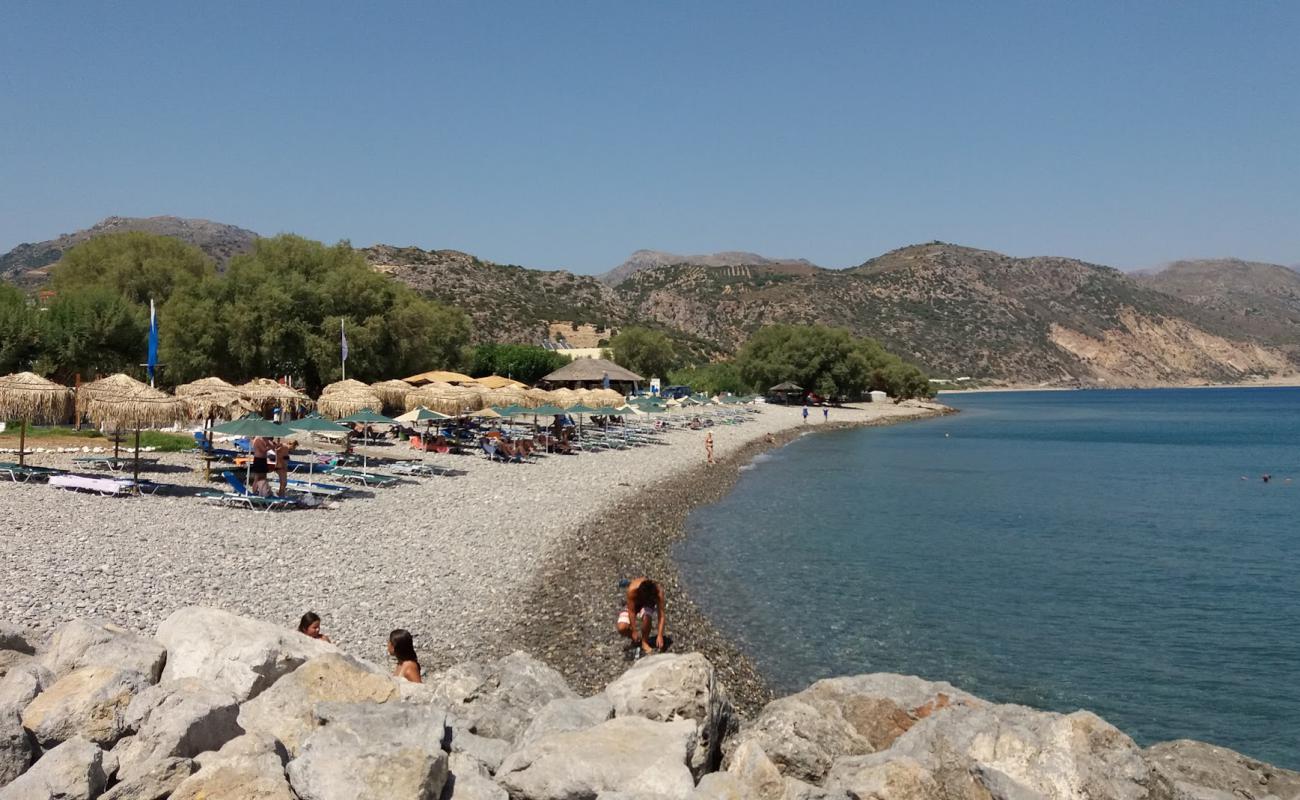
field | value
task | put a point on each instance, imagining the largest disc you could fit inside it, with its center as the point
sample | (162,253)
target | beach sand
(496,558)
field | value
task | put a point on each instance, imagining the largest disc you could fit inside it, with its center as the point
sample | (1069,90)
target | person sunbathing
(401,646)
(645,600)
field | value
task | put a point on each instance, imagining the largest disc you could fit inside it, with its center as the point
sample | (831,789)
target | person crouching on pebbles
(645,599)
(402,647)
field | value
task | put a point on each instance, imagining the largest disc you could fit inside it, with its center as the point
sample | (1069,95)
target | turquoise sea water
(1063,550)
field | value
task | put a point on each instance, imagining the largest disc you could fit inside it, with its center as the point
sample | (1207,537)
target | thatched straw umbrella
(265,394)
(120,402)
(604,397)
(565,397)
(29,397)
(498,382)
(212,398)
(454,400)
(536,397)
(393,392)
(348,397)
(505,396)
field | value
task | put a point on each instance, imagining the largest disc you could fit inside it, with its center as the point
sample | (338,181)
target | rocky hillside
(27,264)
(649,259)
(1262,300)
(221,706)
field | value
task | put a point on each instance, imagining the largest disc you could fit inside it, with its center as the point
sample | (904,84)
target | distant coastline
(1281,381)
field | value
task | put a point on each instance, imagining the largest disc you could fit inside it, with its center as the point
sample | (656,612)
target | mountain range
(956,311)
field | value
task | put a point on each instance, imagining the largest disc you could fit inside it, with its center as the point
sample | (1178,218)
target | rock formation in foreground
(219,706)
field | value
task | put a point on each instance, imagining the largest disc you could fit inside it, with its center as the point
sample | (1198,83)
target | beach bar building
(593,373)
(787,392)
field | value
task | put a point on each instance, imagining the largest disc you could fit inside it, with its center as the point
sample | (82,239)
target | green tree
(520,362)
(829,361)
(139,266)
(647,352)
(91,331)
(723,376)
(20,336)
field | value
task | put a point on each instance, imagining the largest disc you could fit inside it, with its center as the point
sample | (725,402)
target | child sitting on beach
(645,599)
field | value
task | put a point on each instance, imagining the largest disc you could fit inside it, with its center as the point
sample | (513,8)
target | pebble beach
(493,558)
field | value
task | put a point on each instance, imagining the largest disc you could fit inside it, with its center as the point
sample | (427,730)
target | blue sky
(569,134)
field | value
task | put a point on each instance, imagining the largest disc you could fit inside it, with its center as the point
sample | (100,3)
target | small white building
(878,396)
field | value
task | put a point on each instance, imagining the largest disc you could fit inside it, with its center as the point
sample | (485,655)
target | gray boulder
(250,767)
(756,773)
(21,685)
(625,754)
(153,781)
(79,644)
(176,719)
(90,702)
(568,714)
(234,653)
(17,748)
(72,771)
(12,659)
(500,700)
(473,787)
(488,752)
(1004,751)
(287,710)
(1200,771)
(667,687)
(806,732)
(367,751)
(719,786)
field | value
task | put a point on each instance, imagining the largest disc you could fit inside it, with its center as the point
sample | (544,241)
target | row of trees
(829,361)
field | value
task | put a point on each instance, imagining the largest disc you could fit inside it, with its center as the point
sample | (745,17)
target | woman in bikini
(402,648)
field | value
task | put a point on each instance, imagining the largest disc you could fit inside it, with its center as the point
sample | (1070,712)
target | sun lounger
(108,487)
(359,476)
(417,468)
(109,463)
(241,496)
(22,473)
(317,489)
(205,446)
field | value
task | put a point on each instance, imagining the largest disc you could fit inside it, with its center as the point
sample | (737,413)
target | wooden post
(137,455)
(22,442)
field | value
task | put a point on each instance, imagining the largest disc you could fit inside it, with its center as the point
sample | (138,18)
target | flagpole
(343,338)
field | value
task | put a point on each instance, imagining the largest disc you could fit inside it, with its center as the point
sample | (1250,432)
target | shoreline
(575,594)
(1285,382)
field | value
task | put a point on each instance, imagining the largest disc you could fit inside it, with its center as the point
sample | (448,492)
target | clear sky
(566,134)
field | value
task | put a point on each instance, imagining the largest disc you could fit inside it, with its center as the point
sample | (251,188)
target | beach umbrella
(498,382)
(564,397)
(438,376)
(367,417)
(536,397)
(422,414)
(120,402)
(486,413)
(348,397)
(28,397)
(314,423)
(446,398)
(253,425)
(392,392)
(505,396)
(547,411)
(210,398)
(265,394)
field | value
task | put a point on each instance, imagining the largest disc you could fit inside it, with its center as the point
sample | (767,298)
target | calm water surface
(1058,549)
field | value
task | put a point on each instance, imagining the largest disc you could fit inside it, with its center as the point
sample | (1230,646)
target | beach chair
(418,469)
(240,496)
(105,487)
(493,454)
(316,489)
(22,473)
(359,476)
(205,447)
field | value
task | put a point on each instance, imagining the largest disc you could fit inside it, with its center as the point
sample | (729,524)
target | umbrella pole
(137,456)
(22,442)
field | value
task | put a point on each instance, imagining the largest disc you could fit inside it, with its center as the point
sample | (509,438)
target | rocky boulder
(176,719)
(250,767)
(72,771)
(286,711)
(90,702)
(17,748)
(500,700)
(568,714)
(80,644)
(15,639)
(667,687)
(155,781)
(240,655)
(367,751)
(625,754)
(21,685)
(806,732)
(1200,771)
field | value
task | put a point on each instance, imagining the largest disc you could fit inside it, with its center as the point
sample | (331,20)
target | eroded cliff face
(1145,350)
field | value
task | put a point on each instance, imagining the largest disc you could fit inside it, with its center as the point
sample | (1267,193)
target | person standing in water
(708,447)
(402,647)
(645,600)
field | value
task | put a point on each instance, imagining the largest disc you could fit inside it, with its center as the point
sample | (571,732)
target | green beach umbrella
(548,411)
(253,425)
(368,417)
(511,410)
(316,423)
(581,409)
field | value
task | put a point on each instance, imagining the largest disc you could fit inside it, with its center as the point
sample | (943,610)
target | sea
(1117,551)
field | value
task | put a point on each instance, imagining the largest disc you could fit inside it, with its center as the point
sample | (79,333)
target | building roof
(786,387)
(591,369)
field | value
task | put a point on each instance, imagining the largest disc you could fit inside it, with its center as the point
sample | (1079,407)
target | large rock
(755,772)
(1003,751)
(368,751)
(176,719)
(473,787)
(155,781)
(17,748)
(80,644)
(72,771)
(235,653)
(1200,771)
(90,702)
(568,714)
(667,687)
(249,768)
(488,752)
(500,700)
(806,732)
(625,754)
(15,639)
(21,685)
(287,710)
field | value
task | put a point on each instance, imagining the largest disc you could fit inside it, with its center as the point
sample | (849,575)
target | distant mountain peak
(649,259)
(28,263)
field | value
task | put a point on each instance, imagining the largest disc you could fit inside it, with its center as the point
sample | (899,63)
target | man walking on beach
(826,413)
(805,414)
